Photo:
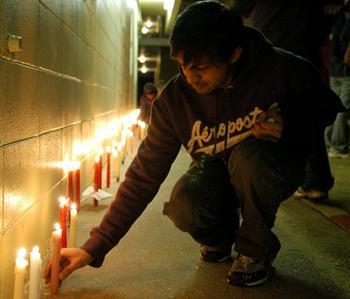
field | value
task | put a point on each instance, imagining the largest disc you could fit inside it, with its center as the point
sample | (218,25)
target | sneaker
(312,194)
(215,254)
(246,271)
(336,154)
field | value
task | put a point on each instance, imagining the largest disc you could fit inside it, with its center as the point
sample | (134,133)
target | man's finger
(65,272)
(47,273)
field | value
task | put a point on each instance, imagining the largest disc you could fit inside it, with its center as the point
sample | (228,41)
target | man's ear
(236,54)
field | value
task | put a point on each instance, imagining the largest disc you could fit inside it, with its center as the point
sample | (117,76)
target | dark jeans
(318,174)
(259,176)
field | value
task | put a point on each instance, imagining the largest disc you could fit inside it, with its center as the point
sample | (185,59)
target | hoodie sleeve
(142,181)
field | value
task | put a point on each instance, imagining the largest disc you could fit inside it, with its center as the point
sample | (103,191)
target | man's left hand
(268,126)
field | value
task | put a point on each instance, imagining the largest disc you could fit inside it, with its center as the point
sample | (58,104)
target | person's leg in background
(318,177)
(340,134)
(335,85)
(263,174)
(203,204)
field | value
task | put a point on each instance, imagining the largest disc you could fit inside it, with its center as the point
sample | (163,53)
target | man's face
(206,74)
(151,95)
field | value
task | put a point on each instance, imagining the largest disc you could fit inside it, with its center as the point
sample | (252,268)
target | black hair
(206,28)
(149,87)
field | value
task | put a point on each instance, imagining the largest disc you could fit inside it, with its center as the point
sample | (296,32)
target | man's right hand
(71,260)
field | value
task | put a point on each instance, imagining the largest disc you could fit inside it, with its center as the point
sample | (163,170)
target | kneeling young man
(247,113)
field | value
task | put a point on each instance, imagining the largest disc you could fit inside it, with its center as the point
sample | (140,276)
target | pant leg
(263,174)
(336,87)
(318,173)
(340,134)
(203,203)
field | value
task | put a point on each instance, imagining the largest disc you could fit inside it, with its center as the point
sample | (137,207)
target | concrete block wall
(75,71)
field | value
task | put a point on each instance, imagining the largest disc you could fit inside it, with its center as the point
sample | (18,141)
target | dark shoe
(215,254)
(311,194)
(245,271)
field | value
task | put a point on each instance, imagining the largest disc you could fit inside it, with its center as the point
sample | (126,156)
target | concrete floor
(155,260)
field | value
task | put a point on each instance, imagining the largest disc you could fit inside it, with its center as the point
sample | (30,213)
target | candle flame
(68,165)
(35,254)
(57,227)
(21,262)
(35,249)
(73,207)
(21,253)
(97,159)
(115,153)
(141,124)
(62,201)
(108,149)
(100,151)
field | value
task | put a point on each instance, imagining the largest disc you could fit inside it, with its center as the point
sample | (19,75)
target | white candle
(117,162)
(20,274)
(130,142)
(122,151)
(73,226)
(35,274)
(142,126)
(55,258)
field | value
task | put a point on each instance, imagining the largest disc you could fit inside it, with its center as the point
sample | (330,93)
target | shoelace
(246,260)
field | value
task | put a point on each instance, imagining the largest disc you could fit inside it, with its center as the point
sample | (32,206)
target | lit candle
(20,274)
(108,168)
(35,274)
(129,142)
(63,204)
(70,185)
(77,187)
(100,168)
(96,177)
(73,226)
(122,151)
(142,126)
(116,156)
(55,258)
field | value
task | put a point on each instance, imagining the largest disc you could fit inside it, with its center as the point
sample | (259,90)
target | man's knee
(262,164)
(180,208)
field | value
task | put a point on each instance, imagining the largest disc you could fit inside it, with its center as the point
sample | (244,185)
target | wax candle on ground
(117,162)
(63,204)
(70,186)
(96,176)
(77,187)
(108,168)
(20,274)
(55,258)
(35,273)
(73,226)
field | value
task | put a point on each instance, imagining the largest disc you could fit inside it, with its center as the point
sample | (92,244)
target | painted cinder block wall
(76,69)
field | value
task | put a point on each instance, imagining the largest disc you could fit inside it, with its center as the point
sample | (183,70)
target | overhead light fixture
(144,30)
(149,23)
(144,69)
(168,5)
(142,58)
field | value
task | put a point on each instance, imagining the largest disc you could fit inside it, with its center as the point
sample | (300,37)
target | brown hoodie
(208,126)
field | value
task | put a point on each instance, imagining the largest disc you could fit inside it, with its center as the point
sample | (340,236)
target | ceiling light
(142,58)
(144,30)
(149,23)
(167,5)
(144,69)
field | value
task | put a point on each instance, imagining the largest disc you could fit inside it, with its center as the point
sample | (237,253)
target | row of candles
(58,241)
(68,208)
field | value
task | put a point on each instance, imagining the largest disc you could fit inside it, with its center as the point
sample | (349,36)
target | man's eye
(202,67)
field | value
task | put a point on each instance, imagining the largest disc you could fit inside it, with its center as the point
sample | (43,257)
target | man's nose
(192,76)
